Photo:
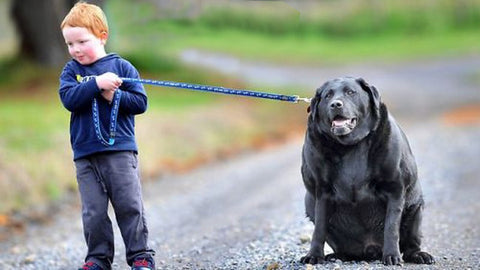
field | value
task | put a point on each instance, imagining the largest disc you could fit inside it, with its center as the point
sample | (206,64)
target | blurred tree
(38,26)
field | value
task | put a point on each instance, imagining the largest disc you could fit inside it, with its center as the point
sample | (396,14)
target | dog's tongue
(339,122)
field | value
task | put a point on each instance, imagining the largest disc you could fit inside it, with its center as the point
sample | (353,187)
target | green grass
(27,125)
(322,51)
(387,31)
(164,99)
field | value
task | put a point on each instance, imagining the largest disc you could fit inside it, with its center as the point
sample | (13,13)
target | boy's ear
(104,37)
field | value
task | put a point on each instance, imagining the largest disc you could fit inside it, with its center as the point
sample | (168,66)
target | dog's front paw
(392,259)
(419,257)
(312,259)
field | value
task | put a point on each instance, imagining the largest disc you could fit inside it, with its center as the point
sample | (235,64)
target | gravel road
(247,212)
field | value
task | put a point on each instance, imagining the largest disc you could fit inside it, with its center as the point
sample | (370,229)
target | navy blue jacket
(77,97)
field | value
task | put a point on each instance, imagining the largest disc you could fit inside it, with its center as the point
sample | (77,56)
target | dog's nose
(336,104)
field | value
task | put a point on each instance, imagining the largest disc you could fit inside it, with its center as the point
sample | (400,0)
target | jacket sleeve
(134,97)
(76,96)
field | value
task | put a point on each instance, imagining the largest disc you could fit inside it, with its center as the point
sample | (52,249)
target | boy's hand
(108,95)
(109,82)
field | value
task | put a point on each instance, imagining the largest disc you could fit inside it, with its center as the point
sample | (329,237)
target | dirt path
(247,213)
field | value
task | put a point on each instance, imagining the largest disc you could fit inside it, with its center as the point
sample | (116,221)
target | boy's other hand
(108,82)
(108,95)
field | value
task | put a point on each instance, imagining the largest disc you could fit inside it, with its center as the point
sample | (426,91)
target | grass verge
(328,33)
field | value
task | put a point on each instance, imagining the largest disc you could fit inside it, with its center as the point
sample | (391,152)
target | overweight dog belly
(355,230)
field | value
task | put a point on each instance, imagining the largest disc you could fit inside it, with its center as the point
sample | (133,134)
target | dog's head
(345,109)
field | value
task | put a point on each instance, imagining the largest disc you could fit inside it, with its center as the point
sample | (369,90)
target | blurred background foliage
(182,129)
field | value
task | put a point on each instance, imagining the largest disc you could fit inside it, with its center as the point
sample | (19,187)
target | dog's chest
(351,181)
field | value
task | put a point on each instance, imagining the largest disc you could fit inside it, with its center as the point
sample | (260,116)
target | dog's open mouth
(342,126)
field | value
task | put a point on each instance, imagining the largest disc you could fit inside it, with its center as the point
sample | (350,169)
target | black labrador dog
(361,178)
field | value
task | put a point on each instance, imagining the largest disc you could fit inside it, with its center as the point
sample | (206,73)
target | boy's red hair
(89,16)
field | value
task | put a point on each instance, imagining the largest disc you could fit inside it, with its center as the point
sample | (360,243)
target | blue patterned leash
(190,86)
(113,119)
(221,90)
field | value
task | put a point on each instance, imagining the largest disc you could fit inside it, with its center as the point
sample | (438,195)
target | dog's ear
(313,107)
(373,93)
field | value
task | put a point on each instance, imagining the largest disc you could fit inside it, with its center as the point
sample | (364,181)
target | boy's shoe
(143,263)
(90,266)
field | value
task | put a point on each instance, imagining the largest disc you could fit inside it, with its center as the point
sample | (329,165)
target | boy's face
(83,46)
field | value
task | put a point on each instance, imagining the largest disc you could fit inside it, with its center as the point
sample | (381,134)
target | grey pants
(112,176)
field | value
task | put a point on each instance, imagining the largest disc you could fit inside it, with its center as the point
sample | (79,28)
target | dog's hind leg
(410,237)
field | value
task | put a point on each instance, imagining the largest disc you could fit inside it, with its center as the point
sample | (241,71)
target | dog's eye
(329,95)
(350,92)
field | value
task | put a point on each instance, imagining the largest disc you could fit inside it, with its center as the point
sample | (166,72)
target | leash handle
(218,89)
(113,119)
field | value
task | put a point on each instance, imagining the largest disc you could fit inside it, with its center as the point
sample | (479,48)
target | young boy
(107,169)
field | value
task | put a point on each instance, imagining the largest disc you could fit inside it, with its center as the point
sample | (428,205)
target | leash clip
(297,98)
